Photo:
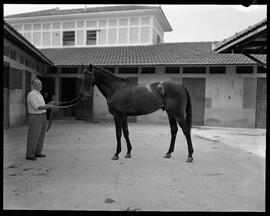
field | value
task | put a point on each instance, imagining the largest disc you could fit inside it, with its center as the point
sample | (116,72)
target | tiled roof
(237,35)
(56,11)
(192,53)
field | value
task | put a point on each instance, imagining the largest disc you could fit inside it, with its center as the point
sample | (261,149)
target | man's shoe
(31,158)
(41,155)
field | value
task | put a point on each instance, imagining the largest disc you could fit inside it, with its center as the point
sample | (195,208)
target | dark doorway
(84,110)
(261,103)
(196,88)
(67,93)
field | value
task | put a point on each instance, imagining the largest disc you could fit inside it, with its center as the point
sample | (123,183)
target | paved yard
(227,174)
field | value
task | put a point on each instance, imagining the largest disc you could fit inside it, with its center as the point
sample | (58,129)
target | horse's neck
(106,83)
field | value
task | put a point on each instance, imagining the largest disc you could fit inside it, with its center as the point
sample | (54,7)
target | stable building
(128,41)
(22,63)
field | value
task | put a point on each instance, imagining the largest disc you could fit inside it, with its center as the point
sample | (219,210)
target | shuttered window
(261,69)
(68,38)
(69,70)
(13,54)
(194,70)
(244,69)
(6,51)
(111,69)
(148,70)
(6,75)
(91,37)
(217,70)
(128,70)
(15,78)
(172,70)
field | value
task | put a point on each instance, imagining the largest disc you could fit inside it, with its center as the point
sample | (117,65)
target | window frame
(68,40)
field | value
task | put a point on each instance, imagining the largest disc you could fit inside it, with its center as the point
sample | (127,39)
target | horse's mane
(112,74)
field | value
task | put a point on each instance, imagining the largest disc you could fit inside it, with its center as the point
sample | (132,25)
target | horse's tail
(188,111)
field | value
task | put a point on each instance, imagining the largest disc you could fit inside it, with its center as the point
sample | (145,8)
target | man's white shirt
(34,100)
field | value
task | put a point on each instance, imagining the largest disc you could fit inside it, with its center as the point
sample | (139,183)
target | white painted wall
(115,30)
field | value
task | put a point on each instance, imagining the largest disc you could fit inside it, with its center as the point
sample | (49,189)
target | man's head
(36,83)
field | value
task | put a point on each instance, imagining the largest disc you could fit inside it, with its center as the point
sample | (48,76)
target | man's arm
(46,106)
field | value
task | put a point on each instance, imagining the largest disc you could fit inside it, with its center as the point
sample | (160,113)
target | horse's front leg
(118,129)
(126,133)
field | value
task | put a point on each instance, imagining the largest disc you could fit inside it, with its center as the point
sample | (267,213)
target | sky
(190,23)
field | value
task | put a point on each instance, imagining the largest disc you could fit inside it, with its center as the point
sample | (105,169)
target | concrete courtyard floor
(227,174)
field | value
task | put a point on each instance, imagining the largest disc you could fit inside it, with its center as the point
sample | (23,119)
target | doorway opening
(67,93)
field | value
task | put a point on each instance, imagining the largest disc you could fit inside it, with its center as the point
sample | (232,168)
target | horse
(126,99)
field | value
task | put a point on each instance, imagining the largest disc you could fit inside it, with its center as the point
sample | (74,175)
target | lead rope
(64,107)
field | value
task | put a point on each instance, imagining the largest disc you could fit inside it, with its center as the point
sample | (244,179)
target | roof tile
(190,53)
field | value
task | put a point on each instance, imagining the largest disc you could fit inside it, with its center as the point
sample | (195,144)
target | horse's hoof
(128,156)
(115,157)
(189,159)
(167,156)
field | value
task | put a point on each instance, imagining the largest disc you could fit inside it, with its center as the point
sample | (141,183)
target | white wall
(111,31)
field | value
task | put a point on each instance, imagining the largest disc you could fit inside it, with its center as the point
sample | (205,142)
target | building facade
(226,89)
(22,63)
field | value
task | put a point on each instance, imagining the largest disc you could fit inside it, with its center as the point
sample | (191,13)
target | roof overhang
(248,42)
(11,34)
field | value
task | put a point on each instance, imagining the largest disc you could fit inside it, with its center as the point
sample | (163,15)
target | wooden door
(196,88)
(84,110)
(6,95)
(261,103)
(28,77)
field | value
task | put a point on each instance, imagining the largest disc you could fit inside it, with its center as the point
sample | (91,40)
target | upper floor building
(90,27)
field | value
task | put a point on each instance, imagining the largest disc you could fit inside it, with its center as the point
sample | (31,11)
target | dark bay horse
(126,99)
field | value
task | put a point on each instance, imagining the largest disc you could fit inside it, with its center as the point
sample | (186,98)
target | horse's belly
(137,105)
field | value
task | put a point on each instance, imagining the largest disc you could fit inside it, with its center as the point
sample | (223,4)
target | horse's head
(88,81)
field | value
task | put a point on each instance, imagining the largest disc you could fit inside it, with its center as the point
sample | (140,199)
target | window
(194,70)
(172,70)
(22,59)
(69,70)
(261,69)
(13,54)
(6,75)
(15,78)
(128,70)
(37,26)
(244,69)
(217,70)
(148,70)
(6,51)
(111,69)
(158,38)
(68,38)
(27,62)
(52,70)
(91,37)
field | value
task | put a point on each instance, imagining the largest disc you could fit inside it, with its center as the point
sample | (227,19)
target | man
(37,121)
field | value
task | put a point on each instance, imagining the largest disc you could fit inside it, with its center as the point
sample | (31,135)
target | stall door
(6,95)
(84,110)
(196,88)
(28,76)
(261,103)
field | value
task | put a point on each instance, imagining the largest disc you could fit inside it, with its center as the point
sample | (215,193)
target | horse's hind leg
(118,128)
(174,129)
(126,133)
(186,130)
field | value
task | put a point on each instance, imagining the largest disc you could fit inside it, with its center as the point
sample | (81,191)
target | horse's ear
(90,67)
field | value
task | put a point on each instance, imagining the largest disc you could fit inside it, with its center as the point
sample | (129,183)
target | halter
(89,93)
